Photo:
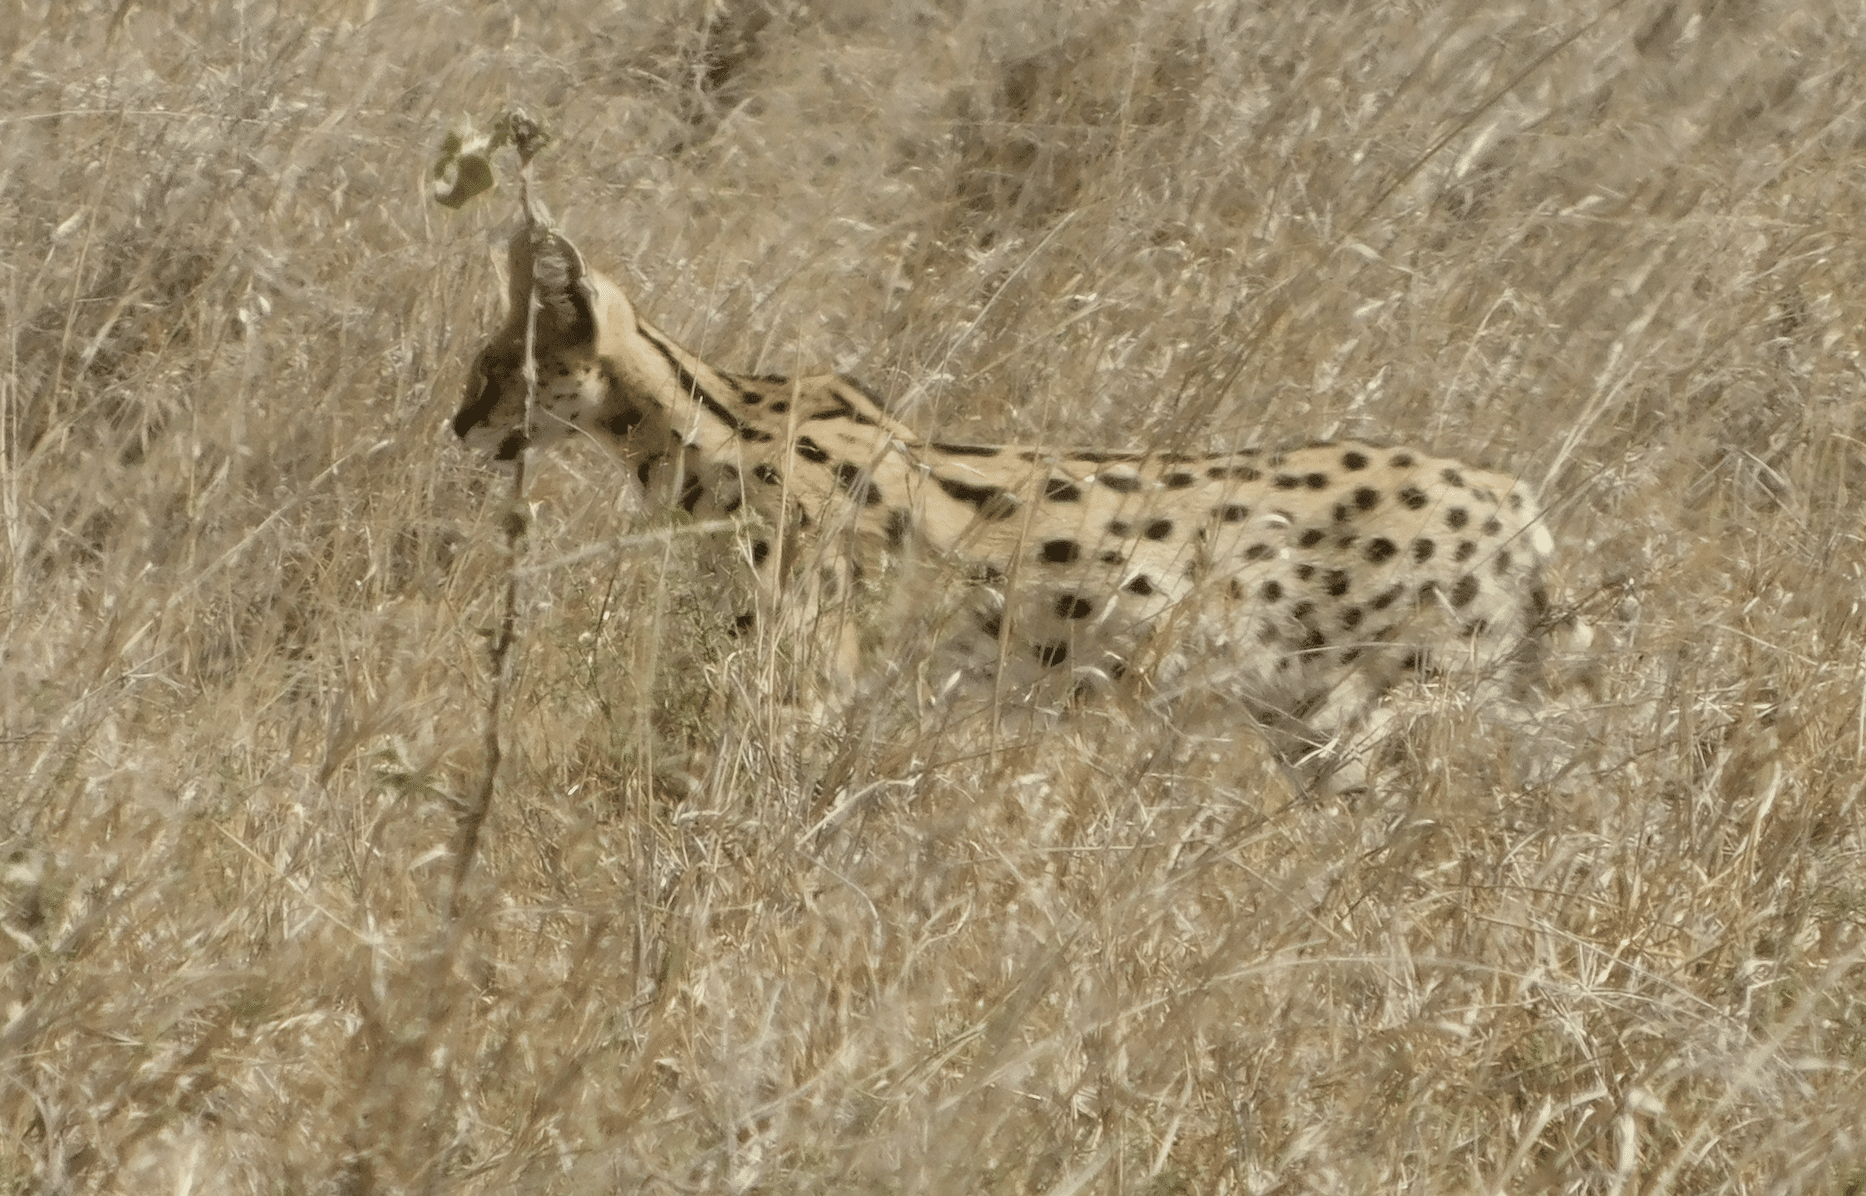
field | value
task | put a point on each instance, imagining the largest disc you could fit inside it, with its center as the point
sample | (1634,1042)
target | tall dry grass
(247,579)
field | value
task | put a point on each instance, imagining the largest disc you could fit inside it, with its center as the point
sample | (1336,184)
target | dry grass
(247,577)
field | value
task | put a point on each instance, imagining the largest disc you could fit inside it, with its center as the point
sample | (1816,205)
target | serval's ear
(544,262)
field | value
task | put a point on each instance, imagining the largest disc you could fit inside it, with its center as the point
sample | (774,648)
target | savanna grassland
(710,941)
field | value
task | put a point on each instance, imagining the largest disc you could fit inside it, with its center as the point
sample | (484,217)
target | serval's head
(577,390)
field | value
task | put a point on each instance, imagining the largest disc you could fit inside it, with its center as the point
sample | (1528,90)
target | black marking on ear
(855,480)
(964,450)
(1062,490)
(991,501)
(811,451)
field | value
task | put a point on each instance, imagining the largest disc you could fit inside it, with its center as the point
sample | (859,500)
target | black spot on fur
(1233,512)
(1312,537)
(1466,590)
(1413,498)
(1387,597)
(766,474)
(899,524)
(1305,571)
(744,623)
(1503,561)
(620,423)
(690,495)
(1452,477)
(760,550)
(1422,550)
(1466,550)
(1302,610)
(1379,549)
(1119,483)
(1401,461)
(1287,481)
(1353,459)
(992,502)
(1351,618)
(1120,527)
(1052,653)
(1179,481)
(991,625)
(1059,552)
(1493,526)
(1366,498)
(1240,473)
(1062,490)
(855,480)
(1109,556)
(1141,585)
(1159,529)
(1272,591)
(1074,606)
(1315,481)
(811,451)
(1456,518)
(1336,582)
(1259,552)
(965,450)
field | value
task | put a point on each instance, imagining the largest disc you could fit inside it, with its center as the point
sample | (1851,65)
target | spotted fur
(1301,584)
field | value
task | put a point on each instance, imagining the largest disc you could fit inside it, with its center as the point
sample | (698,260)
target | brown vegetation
(246,575)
